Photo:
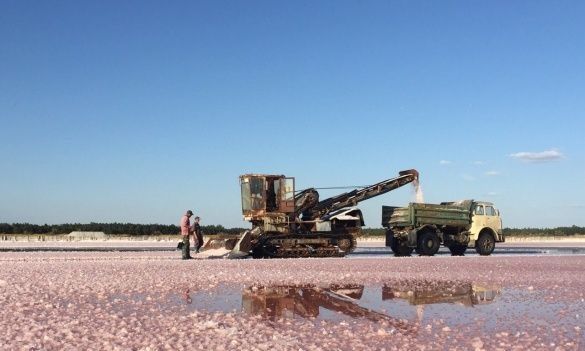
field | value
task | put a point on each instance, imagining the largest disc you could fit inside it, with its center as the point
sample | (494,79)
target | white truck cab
(485,221)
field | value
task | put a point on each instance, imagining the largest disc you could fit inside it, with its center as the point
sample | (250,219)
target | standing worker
(197,234)
(185,226)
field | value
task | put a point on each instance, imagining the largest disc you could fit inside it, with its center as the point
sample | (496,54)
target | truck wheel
(485,245)
(395,245)
(428,243)
(399,248)
(457,249)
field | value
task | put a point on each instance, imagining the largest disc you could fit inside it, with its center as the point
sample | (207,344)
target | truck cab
(485,220)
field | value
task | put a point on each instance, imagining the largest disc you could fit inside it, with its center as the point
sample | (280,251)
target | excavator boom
(352,198)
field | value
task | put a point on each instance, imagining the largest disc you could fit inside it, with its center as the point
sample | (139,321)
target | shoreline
(170,241)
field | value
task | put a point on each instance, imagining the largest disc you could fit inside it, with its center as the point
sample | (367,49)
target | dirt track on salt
(155,301)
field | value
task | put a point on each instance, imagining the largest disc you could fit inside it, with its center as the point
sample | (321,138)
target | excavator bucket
(223,242)
(239,246)
(243,246)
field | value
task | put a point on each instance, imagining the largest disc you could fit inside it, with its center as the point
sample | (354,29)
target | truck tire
(428,243)
(457,249)
(485,245)
(399,248)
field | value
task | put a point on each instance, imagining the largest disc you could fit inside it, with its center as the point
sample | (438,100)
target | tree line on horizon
(162,229)
(557,231)
(109,228)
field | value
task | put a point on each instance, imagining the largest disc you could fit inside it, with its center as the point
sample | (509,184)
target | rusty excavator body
(287,223)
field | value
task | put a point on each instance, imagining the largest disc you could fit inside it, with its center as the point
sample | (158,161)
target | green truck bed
(417,214)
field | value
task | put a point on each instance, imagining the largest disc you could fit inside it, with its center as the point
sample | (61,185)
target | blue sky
(134,111)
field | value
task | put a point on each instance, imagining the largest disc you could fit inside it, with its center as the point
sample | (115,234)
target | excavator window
(253,194)
(257,193)
(289,189)
(271,191)
(246,200)
(286,201)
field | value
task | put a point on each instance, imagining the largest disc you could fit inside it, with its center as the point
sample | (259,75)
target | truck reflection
(432,292)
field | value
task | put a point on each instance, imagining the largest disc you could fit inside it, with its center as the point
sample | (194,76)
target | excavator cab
(263,194)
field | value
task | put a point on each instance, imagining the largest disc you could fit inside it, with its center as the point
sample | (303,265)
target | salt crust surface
(79,301)
(361,242)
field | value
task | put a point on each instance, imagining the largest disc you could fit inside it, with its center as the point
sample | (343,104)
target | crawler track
(321,244)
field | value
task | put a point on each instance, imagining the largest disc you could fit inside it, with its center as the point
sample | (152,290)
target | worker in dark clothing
(198,236)
(185,228)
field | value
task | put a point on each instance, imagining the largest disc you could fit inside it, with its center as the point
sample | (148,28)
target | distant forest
(108,228)
(158,229)
(558,231)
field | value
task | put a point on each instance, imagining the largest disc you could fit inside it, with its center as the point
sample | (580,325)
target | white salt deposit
(124,301)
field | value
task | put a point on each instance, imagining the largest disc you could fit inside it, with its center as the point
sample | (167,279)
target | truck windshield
(478,210)
(490,211)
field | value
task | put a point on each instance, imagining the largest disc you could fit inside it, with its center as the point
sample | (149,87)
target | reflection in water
(424,293)
(289,301)
(428,292)
(187,297)
(304,301)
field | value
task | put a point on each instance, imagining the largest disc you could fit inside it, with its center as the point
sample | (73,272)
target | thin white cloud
(479,163)
(492,173)
(445,162)
(543,156)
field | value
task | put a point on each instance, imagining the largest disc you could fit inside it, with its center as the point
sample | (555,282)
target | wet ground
(364,249)
(154,300)
(524,249)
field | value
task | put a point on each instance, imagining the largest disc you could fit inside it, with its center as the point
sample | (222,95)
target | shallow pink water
(125,301)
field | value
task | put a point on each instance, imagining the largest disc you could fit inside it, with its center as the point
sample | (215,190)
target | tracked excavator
(287,223)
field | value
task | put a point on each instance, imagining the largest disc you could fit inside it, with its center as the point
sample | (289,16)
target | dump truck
(458,225)
(290,223)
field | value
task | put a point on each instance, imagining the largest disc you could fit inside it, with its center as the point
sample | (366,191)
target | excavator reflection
(306,301)
(288,301)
